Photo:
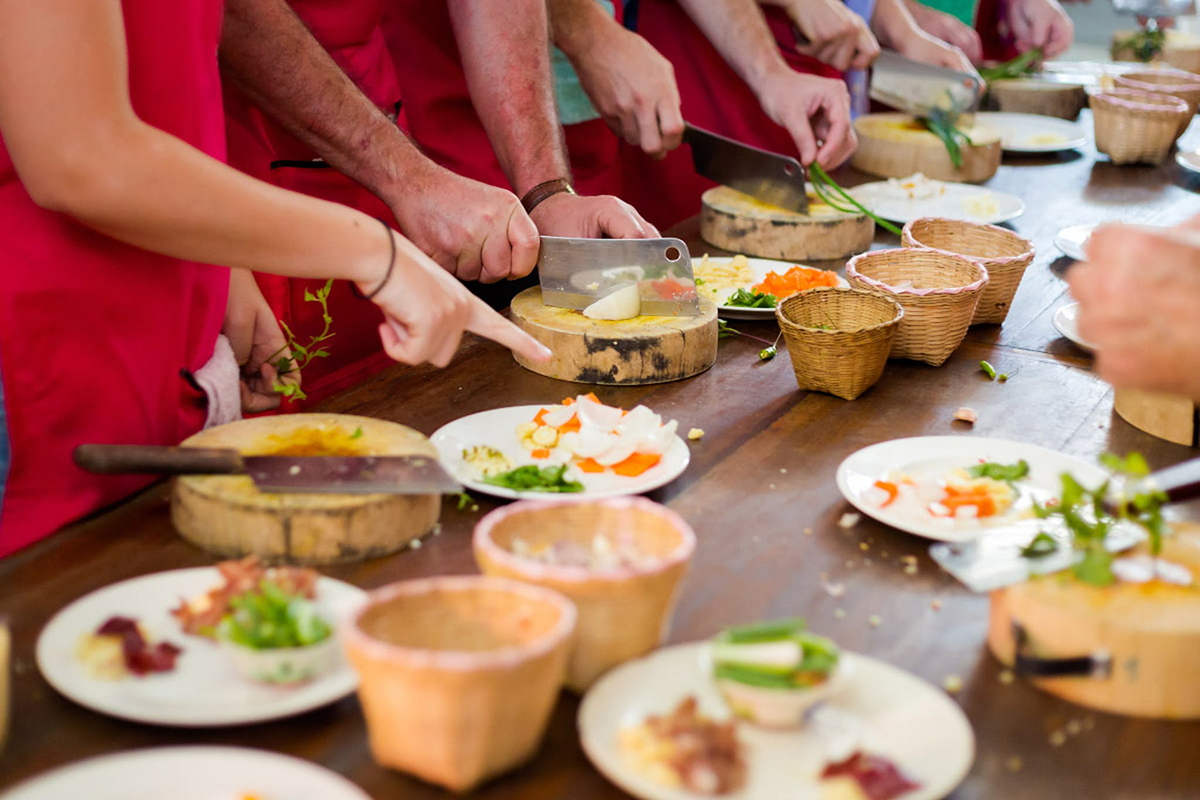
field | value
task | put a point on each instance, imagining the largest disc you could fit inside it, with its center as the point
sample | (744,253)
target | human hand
(948,29)
(595,217)
(836,35)
(472,230)
(1138,292)
(632,86)
(1040,23)
(815,111)
(931,50)
(427,310)
(257,343)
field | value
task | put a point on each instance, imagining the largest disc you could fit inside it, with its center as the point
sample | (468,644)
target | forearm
(272,57)
(507,66)
(893,23)
(738,29)
(575,23)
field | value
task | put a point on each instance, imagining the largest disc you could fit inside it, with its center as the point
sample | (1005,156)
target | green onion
(826,187)
(1021,65)
(988,369)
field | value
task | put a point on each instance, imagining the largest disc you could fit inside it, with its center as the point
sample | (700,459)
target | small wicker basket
(1004,255)
(938,290)
(1177,83)
(839,339)
(1135,127)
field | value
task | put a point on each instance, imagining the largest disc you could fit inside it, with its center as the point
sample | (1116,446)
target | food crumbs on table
(1006,676)
(783,470)
(936,605)
(849,563)
(695,434)
(866,562)
(883,554)
(863,546)
(952,684)
(849,520)
(1058,739)
(1089,723)
(967,415)
(1074,727)
(833,589)
(910,569)
(1013,763)
(771,486)
(808,531)
(839,613)
(415,544)
(874,621)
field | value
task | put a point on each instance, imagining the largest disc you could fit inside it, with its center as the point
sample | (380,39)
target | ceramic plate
(190,773)
(760,267)
(1070,241)
(497,428)
(205,689)
(933,456)
(1189,161)
(1065,323)
(884,704)
(959,201)
(1033,133)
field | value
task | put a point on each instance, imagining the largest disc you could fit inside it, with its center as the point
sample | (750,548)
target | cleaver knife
(574,273)
(771,178)
(919,89)
(276,474)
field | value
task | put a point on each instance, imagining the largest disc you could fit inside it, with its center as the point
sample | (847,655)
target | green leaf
(1015,68)
(774,631)
(531,478)
(1040,546)
(358,432)
(465,502)
(1000,472)
(1095,567)
(744,299)
(309,297)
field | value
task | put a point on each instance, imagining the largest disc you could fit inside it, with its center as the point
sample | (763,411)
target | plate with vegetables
(234,644)
(579,447)
(905,199)
(957,488)
(209,772)
(768,711)
(750,288)
(1033,133)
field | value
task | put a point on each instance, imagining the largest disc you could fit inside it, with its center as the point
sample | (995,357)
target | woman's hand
(949,29)
(836,35)
(257,341)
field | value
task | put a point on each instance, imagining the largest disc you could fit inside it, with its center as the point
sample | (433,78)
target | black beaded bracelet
(391,265)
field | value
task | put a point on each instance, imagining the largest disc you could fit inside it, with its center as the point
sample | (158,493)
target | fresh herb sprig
(293,356)
(1008,473)
(531,478)
(1015,68)
(837,198)
(270,618)
(1145,44)
(725,331)
(747,299)
(944,125)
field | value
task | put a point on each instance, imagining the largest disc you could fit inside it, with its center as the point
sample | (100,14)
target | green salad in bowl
(276,636)
(772,673)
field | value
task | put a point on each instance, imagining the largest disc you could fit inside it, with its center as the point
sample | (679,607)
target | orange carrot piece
(541,452)
(589,465)
(891,489)
(571,425)
(636,464)
(540,417)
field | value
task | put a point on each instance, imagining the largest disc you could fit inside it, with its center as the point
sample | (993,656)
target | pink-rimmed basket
(939,292)
(458,675)
(625,611)
(1134,127)
(1177,83)
(1003,253)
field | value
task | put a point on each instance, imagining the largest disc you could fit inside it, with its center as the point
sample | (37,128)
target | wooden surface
(760,493)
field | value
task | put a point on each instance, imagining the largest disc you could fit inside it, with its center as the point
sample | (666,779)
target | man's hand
(931,50)
(1040,23)
(836,35)
(815,111)
(632,86)
(1138,293)
(474,231)
(948,29)
(254,334)
(602,216)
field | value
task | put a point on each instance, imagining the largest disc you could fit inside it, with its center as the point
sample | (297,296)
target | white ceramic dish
(189,773)
(1189,161)
(205,689)
(1070,241)
(956,202)
(1033,133)
(885,704)
(936,455)
(1066,324)
(497,429)
(761,267)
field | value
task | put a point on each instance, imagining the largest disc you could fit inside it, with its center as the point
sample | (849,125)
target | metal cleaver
(771,178)
(919,89)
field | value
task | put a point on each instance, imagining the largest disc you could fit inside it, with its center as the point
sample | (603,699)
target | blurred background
(1095,22)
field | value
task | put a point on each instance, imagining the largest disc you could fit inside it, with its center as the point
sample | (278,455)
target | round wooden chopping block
(899,145)
(228,516)
(1166,416)
(737,222)
(625,352)
(1025,96)
(1151,631)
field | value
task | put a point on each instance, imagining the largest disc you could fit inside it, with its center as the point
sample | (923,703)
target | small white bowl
(285,665)
(778,708)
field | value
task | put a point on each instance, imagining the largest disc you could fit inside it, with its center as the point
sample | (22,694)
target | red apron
(713,97)
(94,333)
(349,30)
(442,119)
(998,44)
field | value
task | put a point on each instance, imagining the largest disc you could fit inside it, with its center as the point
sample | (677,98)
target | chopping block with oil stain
(627,352)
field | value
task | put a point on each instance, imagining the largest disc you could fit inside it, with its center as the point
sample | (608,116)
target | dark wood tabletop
(760,493)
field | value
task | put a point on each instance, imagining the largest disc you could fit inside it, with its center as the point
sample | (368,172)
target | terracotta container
(624,611)
(458,675)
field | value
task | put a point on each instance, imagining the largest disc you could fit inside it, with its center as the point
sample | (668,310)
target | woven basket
(839,339)
(939,292)
(1004,255)
(1177,83)
(1135,127)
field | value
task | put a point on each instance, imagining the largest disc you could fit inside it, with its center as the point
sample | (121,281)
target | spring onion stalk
(836,197)
(1021,65)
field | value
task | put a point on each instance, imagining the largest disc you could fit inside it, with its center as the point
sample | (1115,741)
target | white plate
(1066,324)
(1019,133)
(205,689)
(1070,241)
(760,267)
(856,478)
(903,718)
(1189,161)
(950,205)
(497,428)
(189,773)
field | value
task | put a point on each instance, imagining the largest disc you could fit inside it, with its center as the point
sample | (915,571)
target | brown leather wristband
(544,191)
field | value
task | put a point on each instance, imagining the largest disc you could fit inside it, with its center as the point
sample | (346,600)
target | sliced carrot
(796,279)
(891,489)
(568,401)
(589,465)
(636,464)
(540,417)
(985,505)
(571,425)
(541,452)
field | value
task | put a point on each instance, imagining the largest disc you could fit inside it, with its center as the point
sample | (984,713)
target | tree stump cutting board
(1150,631)
(228,516)
(737,222)
(1031,96)
(624,352)
(899,145)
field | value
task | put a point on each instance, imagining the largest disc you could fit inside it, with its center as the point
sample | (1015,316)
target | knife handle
(1180,482)
(124,459)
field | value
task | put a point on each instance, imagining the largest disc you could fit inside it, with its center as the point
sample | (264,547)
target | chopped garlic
(965,414)
(695,434)
(952,684)
(849,520)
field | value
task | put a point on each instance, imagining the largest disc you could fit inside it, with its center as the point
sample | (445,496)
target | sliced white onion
(624,303)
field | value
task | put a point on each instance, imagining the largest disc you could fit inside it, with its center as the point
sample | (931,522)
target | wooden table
(760,492)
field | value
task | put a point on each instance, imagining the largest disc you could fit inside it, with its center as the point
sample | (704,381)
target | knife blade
(574,273)
(771,178)
(413,474)
(918,89)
